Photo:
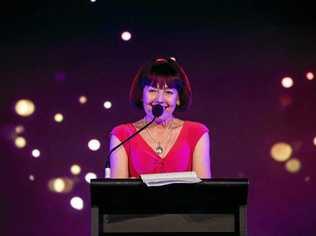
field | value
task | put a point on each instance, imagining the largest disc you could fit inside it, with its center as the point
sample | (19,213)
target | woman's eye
(152,90)
(169,92)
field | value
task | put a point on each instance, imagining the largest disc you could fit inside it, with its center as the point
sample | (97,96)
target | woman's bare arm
(118,159)
(202,158)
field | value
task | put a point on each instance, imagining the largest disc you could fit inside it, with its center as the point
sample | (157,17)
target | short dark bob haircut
(158,73)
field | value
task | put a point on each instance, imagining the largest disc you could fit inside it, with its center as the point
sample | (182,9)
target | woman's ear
(178,102)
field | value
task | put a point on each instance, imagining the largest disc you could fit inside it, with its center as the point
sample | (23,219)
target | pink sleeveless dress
(142,159)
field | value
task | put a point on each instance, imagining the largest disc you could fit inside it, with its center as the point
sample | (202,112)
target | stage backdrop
(252,72)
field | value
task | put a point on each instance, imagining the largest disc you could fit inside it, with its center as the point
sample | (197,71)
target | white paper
(170,178)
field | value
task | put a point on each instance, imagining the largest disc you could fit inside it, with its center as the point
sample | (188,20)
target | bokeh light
(296,145)
(107,104)
(36,153)
(307,178)
(281,151)
(83,99)
(20,142)
(285,100)
(75,169)
(94,144)
(76,203)
(314,141)
(60,185)
(24,107)
(90,176)
(31,177)
(309,75)
(19,129)
(293,165)
(126,36)
(241,174)
(287,82)
(58,117)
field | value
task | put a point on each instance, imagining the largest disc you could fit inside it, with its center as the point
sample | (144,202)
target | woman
(169,144)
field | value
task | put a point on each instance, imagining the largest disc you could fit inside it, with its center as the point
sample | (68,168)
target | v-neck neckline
(153,151)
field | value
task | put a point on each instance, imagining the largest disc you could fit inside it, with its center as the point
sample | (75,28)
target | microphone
(157,111)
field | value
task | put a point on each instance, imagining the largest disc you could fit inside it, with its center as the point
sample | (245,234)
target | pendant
(159,150)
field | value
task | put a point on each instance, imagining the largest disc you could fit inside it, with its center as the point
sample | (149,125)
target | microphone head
(157,110)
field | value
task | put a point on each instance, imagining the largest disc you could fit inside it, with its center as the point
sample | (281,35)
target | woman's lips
(164,106)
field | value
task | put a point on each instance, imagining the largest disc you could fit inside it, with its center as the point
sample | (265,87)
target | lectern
(129,207)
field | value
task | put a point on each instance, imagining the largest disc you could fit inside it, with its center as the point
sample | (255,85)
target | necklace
(159,149)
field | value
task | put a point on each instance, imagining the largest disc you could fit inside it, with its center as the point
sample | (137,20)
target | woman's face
(168,98)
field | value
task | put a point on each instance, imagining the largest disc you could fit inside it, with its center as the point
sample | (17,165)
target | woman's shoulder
(194,131)
(194,125)
(122,129)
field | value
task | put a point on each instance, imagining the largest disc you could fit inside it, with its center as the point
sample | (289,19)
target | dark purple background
(235,53)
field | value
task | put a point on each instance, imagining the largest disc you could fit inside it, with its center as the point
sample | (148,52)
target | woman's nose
(160,97)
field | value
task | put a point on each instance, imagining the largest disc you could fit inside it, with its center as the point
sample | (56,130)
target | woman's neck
(158,123)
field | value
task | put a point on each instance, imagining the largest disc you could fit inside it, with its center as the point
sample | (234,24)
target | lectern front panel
(168,223)
(129,207)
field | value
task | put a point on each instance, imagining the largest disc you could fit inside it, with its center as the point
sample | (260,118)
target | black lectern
(129,207)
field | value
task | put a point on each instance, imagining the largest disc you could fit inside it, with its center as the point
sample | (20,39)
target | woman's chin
(161,119)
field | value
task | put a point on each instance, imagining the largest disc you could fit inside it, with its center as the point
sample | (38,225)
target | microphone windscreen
(157,110)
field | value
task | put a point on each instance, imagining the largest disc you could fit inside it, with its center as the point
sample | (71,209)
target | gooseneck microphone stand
(157,110)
